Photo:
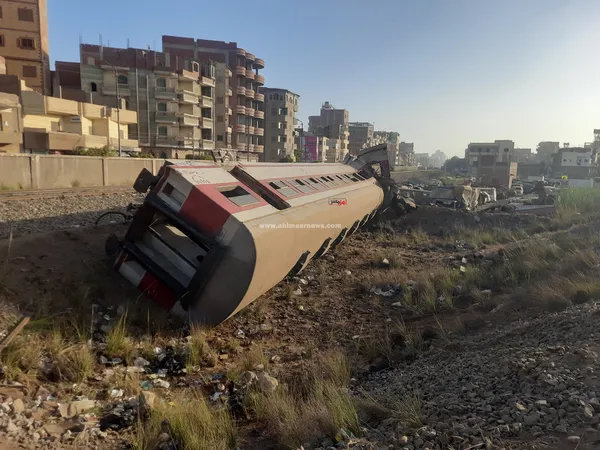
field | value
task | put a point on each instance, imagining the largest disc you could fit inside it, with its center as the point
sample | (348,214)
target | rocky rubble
(41,215)
(536,378)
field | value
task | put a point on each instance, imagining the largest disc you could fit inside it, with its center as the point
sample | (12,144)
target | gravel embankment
(41,215)
(535,378)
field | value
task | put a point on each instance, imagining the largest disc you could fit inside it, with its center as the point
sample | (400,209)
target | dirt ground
(64,273)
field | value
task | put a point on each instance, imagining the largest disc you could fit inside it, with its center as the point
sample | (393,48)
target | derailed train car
(208,241)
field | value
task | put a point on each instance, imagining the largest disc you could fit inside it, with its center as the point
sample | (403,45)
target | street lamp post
(118,106)
(299,140)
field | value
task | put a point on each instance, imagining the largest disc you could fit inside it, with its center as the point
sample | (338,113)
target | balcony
(206,102)
(206,81)
(167,141)
(259,63)
(165,117)
(259,79)
(241,90)
(228,72)
(189,142)
(125,116)
(259,131)
(61,106)
(250,112)
(111,90)
(259,97)
(250,130)
(250,56)
(240,70)
(10,137)
(240,51)
(188,120)
(165,93)
(188,97)
(208,144)
(259,148)
(249,74)
(240,128)
(250,147)
(240,109)
(259,114)
(207,122)
(71,141)
(229,92)
(228,112)
(188,75)
(249,93)
(125,143)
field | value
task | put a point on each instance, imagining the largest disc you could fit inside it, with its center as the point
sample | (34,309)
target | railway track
(33,194)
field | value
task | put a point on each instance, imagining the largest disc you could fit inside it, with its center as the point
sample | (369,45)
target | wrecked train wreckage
(209,239)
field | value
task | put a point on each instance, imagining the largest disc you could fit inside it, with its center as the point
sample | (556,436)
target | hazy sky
(443,73)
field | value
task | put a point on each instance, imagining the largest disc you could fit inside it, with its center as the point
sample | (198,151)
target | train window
(360,177)
(341,178)
(326,181)
(174,194)
(302,186)
(238,195)
(283,188)
(314,183)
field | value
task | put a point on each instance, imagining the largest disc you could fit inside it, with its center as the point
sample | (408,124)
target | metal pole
(118,114)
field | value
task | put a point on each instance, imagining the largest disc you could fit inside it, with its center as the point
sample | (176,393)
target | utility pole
(118,106)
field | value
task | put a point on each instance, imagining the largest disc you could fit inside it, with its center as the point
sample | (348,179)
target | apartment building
(174,97)
(332,123)
(406,154)
(246,103)
(54,124)
(24,41)
(223,110)
(502,150)
(360,135)
(281,106)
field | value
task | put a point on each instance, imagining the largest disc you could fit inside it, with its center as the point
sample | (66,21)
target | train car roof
(264,171)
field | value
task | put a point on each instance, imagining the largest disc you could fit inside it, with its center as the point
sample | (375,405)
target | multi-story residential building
(24,41)
(545,150)
(281,106)
(360,135)
(407,154)
(422,159)
(246,103)
(223,93)
(437,159)
(392,139)
(332,123)
(502,150)
(522,155)
(174,97)
(55,124)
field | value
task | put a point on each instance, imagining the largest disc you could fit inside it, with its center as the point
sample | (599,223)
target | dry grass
(191,424)
(75,363)
(311,407)
(118,344)
(409,410)
(254,358)
(199,352)
(21,358)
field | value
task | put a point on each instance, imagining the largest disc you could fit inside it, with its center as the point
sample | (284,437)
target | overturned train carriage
(209,240)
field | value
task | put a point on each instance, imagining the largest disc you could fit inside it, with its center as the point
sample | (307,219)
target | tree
(455,164)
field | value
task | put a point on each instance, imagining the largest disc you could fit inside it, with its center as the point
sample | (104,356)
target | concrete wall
(54,171)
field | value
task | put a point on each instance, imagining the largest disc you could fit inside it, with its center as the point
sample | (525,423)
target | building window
(25,15)
(161,82)
(91,60)
(1,123)
(219,138)
(26,43)
(93,87)
(29,71)
(162,107)
(162,131)
(1,40)
(122,79)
